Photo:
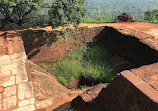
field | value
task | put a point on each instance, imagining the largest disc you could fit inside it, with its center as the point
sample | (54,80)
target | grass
(98,20)
(43,65)
(90,62)
(112,19)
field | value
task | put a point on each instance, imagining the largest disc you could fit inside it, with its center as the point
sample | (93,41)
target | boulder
(125,17)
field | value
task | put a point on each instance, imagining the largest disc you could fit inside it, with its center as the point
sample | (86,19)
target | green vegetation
(65,12)
(99,20)
(90,62)
(151,16)
(44,66)
(114,6)
(29,13)
(101,11)
(17,11)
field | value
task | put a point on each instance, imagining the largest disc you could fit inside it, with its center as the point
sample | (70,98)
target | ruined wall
(16,91)
(126,92)
(131,90)
(129,45)
(134,90)
(39,43)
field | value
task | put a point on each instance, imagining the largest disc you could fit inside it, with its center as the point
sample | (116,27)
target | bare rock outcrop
(125,17)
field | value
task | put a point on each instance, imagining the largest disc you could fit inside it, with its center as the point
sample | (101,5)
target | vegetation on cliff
(91,62)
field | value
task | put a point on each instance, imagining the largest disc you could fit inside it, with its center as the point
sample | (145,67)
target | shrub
(66,12)
(89,62)
(44,66)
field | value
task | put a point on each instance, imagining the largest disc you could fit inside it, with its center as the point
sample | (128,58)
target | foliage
(17,11)
(98,20)
(43,65)
(151,15)
(65,12)
(69,29)
(104,11)
(114,6)
(37,20)
(89,62)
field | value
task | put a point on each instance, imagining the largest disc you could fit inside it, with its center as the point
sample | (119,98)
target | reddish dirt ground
(140,26)
(35,48)
(149,28)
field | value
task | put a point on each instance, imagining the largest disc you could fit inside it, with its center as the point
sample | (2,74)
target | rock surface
(125,17)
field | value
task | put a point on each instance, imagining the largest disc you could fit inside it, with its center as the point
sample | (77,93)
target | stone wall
(16,91)
(131,90)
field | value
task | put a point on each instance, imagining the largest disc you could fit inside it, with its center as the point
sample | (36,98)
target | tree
(151,15)
(66,12)
(16,11)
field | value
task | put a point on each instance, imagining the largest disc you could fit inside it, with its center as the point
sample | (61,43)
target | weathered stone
(9,91)
(21,77)
(0,98)
(131,77)
(22,60)
(9,102)
(3,58)
(25,90)
(149,77)
(18,70)
(3,51)
(1,89)
(26,108)
(42,109)
(155,85)
(148,91)
(154,66)
(10,49)
(43,104)
(11,67)
(30,101)
(7,81)
(147,68)
(137,71)
(18,46)
(3,74)
(125,17)
(6,62)
(18,55)
(0,107)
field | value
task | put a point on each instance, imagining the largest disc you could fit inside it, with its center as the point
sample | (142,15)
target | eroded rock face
(87,97)
(119,63)
(125,17)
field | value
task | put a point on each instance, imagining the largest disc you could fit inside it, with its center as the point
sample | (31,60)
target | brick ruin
(16,92)
(134,89)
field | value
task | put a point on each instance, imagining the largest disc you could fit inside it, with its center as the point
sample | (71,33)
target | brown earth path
(146,33)
(148,28)
(59,93)
(145,27)
(137,29)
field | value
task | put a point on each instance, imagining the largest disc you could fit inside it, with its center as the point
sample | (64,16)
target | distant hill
(121,5)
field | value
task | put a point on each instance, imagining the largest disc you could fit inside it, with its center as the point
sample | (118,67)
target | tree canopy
(66,12)
(16,11)
(151,15)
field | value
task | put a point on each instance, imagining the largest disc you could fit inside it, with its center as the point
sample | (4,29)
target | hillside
(121,5)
